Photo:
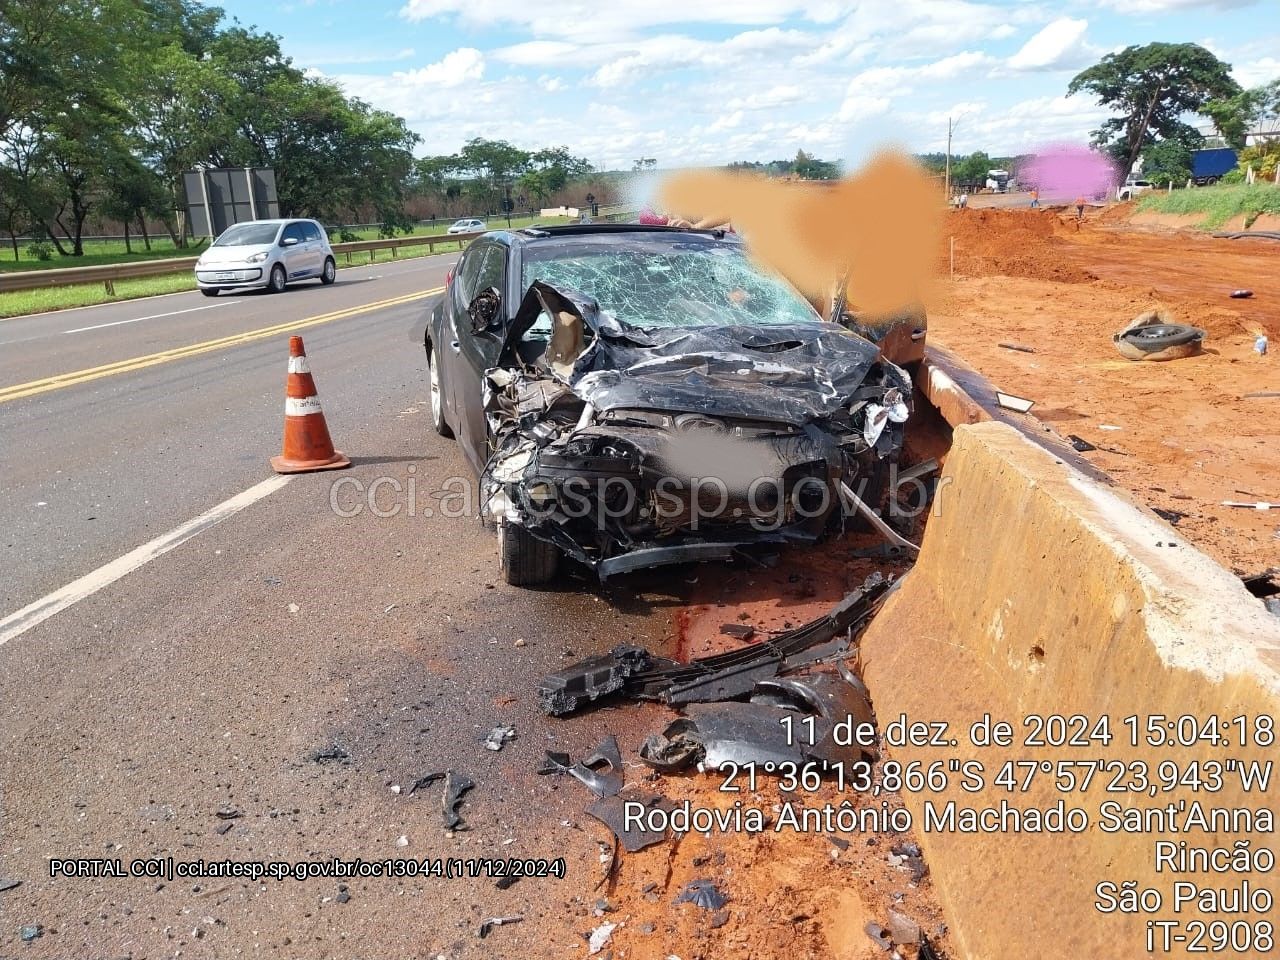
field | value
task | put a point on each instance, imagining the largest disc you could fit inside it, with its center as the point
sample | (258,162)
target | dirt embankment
(1182,436)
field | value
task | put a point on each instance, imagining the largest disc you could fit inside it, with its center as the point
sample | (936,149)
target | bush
(346,236)
(1217,204)
(40,250)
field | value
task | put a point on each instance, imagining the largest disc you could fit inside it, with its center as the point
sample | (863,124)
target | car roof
(608,231)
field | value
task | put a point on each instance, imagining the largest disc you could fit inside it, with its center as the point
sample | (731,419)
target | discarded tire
(1159,341)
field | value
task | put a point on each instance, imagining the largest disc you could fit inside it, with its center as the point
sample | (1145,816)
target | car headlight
(256,258)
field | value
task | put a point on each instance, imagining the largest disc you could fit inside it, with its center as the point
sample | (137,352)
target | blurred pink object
(650,219)
(1064,172)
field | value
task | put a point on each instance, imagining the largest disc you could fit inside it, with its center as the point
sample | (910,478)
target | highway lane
(47,344)
(92,470)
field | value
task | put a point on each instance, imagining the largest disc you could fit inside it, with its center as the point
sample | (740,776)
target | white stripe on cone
(299,365)
(301,408)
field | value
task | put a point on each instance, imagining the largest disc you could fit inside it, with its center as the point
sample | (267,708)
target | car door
(477,351)
(455,322)
(314,242)
(295,255)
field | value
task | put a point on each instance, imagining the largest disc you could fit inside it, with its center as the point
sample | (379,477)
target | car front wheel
(209,291)
(525,560)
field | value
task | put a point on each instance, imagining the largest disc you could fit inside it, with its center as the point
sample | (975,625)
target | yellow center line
(57,382)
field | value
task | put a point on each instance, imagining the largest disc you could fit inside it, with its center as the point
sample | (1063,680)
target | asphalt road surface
(225,631)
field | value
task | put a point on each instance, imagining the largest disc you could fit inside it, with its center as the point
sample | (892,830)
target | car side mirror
(485,310)
(288,241)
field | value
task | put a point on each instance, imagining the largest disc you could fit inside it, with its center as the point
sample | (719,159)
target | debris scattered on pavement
(228,813)
(1262,395)
(487,926)
(702,893)
(600,772)
(423,782)
(609,811)
(498,736)
(1172,516)
(1241,294)
(402,841)
(908,854)
(330,754)
(1020,347)
(739,631)
(1259,505)
(7,883)
(455,785)
(563,692)
(600,937)
(507,881)
(344,895)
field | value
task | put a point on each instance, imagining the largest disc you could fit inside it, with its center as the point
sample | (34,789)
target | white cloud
(551,84)
(463,65)
(1059,46)
(1254,73)
(768,99)
(1175,6)
(727,122)
(1026,125)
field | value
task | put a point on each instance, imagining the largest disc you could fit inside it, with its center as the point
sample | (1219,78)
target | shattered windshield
(670,285)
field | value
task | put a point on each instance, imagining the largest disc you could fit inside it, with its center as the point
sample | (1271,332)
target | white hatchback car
(266,253)
(468,225)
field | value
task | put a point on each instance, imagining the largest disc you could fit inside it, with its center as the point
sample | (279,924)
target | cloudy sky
(711,81)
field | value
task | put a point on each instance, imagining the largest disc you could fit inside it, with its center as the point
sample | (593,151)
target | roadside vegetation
(1218,204)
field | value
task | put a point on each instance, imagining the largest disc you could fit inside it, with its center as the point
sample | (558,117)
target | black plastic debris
(1263,585)
(423,782)
(330,754)
(928,951)
(740,631)
(563,692)
(671,751)
(507,881)
(7,883)
(611,812)
(702,893)
(455,785)
(488,926)
(1172,516)
(600,771)
(731,675)
(228,813)
(1080,444)
(724,676)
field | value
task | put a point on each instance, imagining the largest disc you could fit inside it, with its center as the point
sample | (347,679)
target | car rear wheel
(525,560)
(209,292)
(330,272)
(437,400)
(277,281)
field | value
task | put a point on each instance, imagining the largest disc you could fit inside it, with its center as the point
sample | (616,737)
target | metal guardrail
(108,274)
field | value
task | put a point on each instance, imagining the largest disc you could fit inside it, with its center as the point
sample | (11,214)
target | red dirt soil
(1188,438)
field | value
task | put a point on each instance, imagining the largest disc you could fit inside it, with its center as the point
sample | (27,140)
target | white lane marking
(154,316)
(18,623)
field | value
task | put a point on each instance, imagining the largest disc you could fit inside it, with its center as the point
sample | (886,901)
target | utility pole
(946,185)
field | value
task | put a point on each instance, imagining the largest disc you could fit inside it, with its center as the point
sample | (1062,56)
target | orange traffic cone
(306,436)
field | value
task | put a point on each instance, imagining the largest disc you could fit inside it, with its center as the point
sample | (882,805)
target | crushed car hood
(791,373)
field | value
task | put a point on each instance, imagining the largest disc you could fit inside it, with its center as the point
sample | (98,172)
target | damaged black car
(632,396)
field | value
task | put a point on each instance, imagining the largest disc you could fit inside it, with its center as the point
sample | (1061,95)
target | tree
(1166,161)
(973,168)
(1152,87)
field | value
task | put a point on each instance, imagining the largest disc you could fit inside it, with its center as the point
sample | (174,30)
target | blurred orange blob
(877,228)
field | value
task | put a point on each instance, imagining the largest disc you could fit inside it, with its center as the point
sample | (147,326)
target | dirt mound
(1011,243)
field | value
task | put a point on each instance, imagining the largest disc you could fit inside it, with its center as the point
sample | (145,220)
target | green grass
(1218,204)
